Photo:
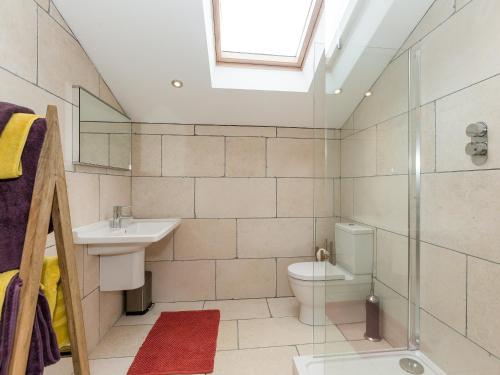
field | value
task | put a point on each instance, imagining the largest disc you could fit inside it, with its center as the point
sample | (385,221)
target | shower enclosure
(370,170)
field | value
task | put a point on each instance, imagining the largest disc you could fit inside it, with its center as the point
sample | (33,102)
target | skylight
(264,32)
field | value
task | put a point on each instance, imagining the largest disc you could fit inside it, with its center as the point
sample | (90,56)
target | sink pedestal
(123,271)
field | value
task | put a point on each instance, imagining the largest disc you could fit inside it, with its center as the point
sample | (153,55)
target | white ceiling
(140,46)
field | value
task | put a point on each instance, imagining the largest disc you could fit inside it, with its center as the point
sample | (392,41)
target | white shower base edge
(384,363)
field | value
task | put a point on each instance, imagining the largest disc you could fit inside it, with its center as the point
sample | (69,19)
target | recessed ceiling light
(368,93)
(177,84)
(338,91)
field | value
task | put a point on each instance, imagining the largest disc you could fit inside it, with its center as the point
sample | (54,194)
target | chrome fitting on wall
(478,146)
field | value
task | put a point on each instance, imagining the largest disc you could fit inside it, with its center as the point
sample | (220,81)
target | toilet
(345,284)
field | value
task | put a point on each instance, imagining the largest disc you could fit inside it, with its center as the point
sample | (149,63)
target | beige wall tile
(79,259)
(192,156)
(161,197)
(83,194)
(461,3)
(303,133)
(337,198)
(428,138)
(347,197)
(283,283)
(161,250)
(114,191)
(443,282)
(466,37)
(183,281)
(18,44)
(347,129)
(392,261)
(437,14)
(206,239)
(15,90)
(382,202)
(246,278)
(326,158)
(455,112)
(390,96)
(325,230)
(173,129)
(104,91)
(245,157)
(58,72)
(146,155)
(43,3)
(111,309)
(235,197)
(91,272)
(236,131)
(359,154)
(452,351)
(392,146)
(290,157)
(90,309)
(266,238)
(460,211)
(295,197)
(483,304)
(393,316)
(323,197)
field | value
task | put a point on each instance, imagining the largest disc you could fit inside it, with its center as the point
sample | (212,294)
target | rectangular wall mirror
(102,135)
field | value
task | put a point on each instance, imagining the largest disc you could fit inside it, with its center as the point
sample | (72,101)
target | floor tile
(261,333)
(121,341)
(333,334)
(281,307)
(228,335)
(367,346)
(240,309)
(266,361)
(353,331)
(151,316)
(115,366)
(63,367)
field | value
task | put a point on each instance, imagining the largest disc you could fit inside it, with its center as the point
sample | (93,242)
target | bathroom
(321,197)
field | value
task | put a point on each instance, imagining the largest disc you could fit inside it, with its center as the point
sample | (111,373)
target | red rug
(182,342)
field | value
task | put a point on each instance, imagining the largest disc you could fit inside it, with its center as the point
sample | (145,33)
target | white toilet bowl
(316,283)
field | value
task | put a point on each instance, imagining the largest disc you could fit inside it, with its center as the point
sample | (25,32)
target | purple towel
(15,202)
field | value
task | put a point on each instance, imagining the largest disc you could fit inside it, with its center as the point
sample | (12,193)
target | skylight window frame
(224,57)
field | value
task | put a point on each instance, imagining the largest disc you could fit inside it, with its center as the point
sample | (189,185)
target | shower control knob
(478,129)
(476,148)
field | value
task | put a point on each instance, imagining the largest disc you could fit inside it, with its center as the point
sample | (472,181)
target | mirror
(102,134)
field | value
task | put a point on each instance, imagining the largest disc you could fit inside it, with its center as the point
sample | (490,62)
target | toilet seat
(317,271)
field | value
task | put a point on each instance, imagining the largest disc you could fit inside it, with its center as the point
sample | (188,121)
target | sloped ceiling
(141,46)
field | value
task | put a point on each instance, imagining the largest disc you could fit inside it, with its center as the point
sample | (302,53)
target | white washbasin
(137,231)
(122,250)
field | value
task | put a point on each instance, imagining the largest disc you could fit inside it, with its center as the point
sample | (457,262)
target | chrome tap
(120,213)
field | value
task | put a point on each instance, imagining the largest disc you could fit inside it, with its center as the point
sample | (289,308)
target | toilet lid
(319,271)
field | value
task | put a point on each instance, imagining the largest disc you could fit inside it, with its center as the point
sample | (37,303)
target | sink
(122,250)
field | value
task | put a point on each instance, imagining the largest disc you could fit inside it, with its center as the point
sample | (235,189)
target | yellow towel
(12,141)
(52,289)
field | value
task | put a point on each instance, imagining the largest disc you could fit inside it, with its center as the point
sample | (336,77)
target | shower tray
(382,363)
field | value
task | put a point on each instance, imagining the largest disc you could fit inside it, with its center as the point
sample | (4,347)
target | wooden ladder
(50,200)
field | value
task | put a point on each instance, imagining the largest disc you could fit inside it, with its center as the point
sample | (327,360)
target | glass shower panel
(364,155)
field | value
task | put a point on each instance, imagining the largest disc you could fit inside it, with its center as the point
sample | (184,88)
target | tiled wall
(40,61)
(246,198)
(460,207)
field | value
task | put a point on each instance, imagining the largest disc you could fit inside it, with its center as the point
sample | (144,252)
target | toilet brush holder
(372,317)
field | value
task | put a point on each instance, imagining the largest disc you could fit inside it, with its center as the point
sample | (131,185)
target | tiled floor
(256,337)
